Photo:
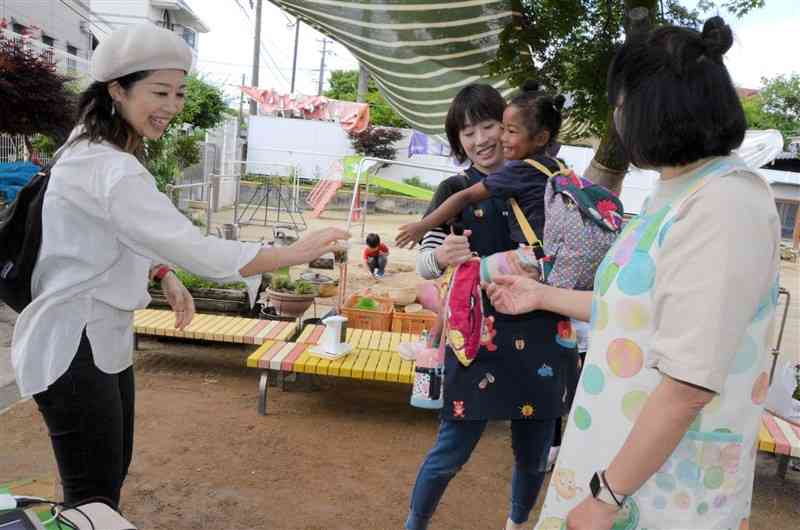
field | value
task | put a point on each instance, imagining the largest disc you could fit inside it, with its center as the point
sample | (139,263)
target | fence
(12,149)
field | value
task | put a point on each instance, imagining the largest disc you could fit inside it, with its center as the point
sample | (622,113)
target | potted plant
(290,298)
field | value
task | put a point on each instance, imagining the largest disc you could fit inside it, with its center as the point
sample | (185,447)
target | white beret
(137,48)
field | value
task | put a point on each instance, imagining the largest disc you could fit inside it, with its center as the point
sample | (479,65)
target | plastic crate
(379,319)
(413,323)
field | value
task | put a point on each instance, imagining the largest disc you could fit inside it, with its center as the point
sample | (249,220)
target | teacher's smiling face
(481,143)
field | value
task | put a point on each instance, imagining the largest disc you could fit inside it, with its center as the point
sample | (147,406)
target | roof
(745,93)
(186,15)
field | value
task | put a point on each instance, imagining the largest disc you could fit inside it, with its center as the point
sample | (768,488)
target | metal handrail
(363,208)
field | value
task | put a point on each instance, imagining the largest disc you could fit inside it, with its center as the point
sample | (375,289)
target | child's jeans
(376,263)
(530,440)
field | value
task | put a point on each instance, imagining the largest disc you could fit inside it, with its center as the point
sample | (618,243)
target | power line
(101,30)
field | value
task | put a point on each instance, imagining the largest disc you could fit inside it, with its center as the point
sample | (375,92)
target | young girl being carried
(582,219)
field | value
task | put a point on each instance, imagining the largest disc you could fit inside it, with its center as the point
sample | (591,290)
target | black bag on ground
(20,241)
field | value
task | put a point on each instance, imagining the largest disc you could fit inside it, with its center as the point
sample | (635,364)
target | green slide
(350,165)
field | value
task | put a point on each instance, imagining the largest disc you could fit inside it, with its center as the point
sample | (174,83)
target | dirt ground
(334,455)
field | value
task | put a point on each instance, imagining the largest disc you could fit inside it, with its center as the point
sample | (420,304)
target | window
(190,37)
(50,41)
(787,212)
(72,64)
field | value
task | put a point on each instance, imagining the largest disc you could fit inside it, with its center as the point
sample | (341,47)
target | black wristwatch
(603,492)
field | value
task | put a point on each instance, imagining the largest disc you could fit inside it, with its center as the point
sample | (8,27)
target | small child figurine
(376,256)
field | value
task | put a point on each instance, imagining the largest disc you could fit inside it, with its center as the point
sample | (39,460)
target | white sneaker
(551,458)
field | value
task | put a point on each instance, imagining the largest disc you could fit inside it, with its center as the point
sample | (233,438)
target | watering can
(228,231)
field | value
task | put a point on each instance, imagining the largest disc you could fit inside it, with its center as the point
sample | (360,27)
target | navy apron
(524,377)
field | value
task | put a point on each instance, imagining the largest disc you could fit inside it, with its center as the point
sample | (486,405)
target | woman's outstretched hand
(409,234)
(319,242)
(179,299)
(515,295)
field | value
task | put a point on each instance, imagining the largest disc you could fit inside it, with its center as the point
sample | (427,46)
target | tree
(572,43)
(344,87)
(376,142)
(35,98)
(776,106)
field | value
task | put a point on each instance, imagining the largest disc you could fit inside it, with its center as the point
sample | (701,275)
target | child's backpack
(582,220)
(20,241)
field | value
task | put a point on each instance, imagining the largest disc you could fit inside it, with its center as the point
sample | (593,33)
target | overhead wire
(71,8)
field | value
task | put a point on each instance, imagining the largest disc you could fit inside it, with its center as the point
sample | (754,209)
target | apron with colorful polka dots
(706,484)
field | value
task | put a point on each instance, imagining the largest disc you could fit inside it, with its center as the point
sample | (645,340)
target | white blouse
(104,225)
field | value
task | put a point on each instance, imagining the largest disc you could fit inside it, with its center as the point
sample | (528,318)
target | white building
(176,15)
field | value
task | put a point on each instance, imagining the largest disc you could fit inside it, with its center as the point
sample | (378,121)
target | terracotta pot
(289,304)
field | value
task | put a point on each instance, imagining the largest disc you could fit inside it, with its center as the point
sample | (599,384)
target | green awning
(419,52)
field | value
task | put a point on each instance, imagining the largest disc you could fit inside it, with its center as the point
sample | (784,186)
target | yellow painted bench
(374,358)
(215,328)
(781,438)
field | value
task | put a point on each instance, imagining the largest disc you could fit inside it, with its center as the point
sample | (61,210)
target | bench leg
(263,385)
(783,465)
(135,342)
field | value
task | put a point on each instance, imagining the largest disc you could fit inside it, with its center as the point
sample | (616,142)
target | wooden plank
(276,347)
(140,324)
(372,363)
(265,331)
(288,363)
(147,327)
(395,342)
(792,440)
(277,360)
(382,368)
(224,324)
(199,322)
(393,372)
(322,366)
(143,315)
(288,331)
(158,327)
(275,330)
(357,371)
(765,440)
(349,334)
(355,337)
(781,443)
(346,368)
(363,343)
(252,360)
(307,362)
(406,372)
(250,334)
(225,334)
(386,340)
(213,323)
(375,340)
(335,367)
(316,333)
(305,333)
(238,333)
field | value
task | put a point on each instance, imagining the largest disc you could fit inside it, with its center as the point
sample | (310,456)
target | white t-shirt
(104,225)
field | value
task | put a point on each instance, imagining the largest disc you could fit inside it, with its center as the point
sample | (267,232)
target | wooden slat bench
(780,438)
(216,328)
(374,358)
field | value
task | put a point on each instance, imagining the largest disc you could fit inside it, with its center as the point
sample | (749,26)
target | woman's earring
(113,109)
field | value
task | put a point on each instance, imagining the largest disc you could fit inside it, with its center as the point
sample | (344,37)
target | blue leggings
(455,442)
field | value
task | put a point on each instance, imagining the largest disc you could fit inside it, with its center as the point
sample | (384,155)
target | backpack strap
(527,230)
(562,169)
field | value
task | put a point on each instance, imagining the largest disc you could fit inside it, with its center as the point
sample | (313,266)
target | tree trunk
(28,147)
(610,162)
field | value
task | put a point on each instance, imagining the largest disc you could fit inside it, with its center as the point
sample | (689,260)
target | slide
(401,188)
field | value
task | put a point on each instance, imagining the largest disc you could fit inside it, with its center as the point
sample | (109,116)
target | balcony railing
(66,63)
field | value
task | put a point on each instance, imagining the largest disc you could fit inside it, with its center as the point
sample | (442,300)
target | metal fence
(13,149)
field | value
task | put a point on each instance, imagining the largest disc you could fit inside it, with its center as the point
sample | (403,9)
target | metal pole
(322,66)
(363,83)
(256,50)
(294,60)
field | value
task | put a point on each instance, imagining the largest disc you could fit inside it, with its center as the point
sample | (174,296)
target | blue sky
(766,45)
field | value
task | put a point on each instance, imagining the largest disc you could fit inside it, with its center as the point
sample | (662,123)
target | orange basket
(379,319)
(413,323)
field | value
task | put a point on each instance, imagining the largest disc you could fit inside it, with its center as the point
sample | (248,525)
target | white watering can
(333,342)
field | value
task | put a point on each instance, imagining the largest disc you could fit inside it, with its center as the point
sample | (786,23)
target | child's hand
(408,235)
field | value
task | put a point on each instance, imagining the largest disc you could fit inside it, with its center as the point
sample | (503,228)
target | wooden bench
(780,438)
(215,328)
(374,358)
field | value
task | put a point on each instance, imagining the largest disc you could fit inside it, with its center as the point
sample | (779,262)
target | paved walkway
(8,388)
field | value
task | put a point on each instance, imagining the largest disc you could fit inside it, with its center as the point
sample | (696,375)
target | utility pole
(294,60)
(325,52)
(363,83)
(256,59)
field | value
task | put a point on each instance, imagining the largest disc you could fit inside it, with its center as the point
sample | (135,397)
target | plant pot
(290,304)
(326,285)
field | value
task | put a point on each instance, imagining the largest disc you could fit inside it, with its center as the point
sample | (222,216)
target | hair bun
(531,86)
(717,36)
(559,101)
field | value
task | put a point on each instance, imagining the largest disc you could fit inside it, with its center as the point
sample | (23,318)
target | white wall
(56,19)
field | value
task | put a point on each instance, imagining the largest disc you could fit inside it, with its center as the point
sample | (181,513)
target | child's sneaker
(410,350)
(379,274)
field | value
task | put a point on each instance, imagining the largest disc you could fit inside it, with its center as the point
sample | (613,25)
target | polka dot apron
(706,484)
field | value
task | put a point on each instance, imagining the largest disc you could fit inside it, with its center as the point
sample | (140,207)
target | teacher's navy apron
(523,378)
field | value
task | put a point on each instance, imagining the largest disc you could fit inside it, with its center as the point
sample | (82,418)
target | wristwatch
(602,492)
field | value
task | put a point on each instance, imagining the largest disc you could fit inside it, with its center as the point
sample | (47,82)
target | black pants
(376,263)
(89,415)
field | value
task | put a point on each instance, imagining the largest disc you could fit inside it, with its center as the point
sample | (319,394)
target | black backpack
(20,241)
